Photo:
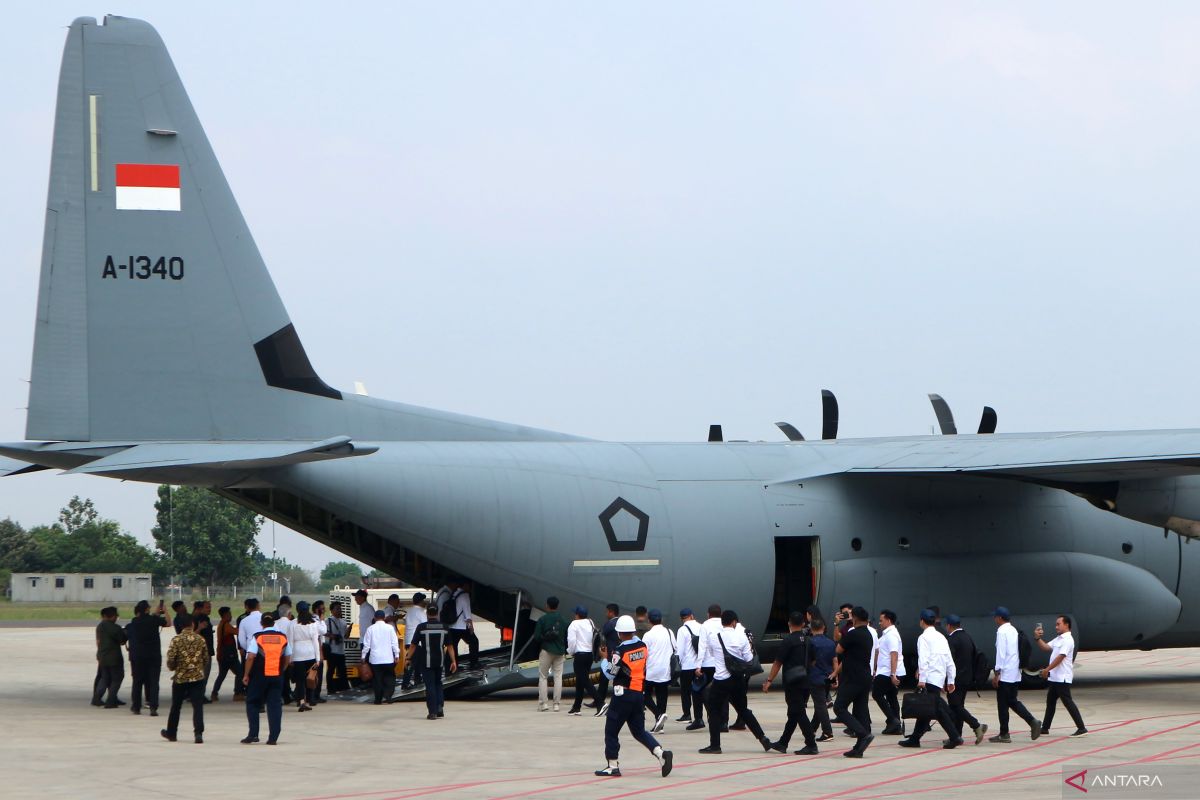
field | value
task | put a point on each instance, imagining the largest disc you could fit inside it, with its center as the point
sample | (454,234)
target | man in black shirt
(794,659)
(611,642)
(962,649)
(180,610)
(145,654)
(854,681)
(428,651)
(201,615)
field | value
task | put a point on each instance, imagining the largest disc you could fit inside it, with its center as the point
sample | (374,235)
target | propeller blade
(829,415)
(789,430)
(944,417)
(988,423)
(714,433)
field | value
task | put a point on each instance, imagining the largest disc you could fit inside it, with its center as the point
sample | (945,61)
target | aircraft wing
(1053,459)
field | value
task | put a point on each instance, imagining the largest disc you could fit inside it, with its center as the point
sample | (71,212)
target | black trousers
(700,696)
(850,707)
(685,678)
(628,709)
(721,695)
(1054,692)
(228,664)
(797,708)
(109,680)
(1006,699)
(193,693)
(941,712)
(383,681)
(885,697)
(299,670)
(146,672)
(820,715)
(335,673)
(958,707)
(655,697)
(581,665)
(266,691)
(470,638)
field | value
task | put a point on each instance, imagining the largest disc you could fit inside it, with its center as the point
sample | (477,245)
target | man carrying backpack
(583,638)
(795,658)
(966,655)
(551,635)
(688,640)
(1007,678)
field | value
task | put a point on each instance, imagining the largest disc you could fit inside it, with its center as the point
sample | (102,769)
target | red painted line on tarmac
(1163,756)
(752,790)
(595,781)
(1018,774)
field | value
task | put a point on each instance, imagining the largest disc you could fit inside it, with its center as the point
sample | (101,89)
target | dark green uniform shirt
(554,643)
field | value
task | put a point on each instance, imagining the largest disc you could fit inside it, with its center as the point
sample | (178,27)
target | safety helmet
(625,624)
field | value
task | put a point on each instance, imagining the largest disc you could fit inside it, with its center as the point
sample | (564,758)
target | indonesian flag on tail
(147,187)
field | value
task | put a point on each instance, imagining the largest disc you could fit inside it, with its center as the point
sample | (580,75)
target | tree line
(200,539)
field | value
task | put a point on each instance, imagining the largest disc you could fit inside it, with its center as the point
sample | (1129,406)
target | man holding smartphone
(1059,673)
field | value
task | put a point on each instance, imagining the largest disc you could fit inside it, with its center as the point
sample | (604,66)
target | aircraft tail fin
(156,318)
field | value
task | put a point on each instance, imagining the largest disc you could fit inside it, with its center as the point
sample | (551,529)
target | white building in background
(80,587)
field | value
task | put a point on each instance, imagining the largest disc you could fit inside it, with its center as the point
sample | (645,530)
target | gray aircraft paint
(201,381)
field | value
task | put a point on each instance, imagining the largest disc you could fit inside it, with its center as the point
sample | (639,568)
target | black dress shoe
(710,750)
(854,752)
(166,734)
(250,740)
(120,702)
(272,741)
(779,747)
(737,726)
(685,718)
(199,739)
(808,750)
(154,711)
(137,711)
(766,743)
(910,742)
(950,744)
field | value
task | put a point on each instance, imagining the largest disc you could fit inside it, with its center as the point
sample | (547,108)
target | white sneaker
(603,710)
(556,706)
(543,707)
(659,724)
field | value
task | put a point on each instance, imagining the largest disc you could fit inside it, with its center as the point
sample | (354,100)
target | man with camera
(1059,673)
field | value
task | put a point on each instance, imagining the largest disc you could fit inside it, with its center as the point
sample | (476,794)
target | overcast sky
(629,221)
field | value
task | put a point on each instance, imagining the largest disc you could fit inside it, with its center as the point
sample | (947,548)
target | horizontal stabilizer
(9,466)
(222,455)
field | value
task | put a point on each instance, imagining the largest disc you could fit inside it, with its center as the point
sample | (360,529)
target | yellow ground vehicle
(377,598)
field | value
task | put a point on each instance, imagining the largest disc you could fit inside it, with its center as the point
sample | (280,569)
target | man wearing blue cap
(962,648)
(581,646)
(935,672)
(1007,678)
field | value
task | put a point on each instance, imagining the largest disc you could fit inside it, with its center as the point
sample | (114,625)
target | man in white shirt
(889,669)
(417,613)
(728,689)
(380,648)
(581,634)
(1007,678)
(284,625)
(935,673)
(660,647)
(463,627)
(1060,673)
(710,651)
(249,624)
(687,643)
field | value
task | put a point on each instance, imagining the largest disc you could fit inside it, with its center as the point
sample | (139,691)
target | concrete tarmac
(1141,708)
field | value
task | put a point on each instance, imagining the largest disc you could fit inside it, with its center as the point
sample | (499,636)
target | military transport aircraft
(145,246)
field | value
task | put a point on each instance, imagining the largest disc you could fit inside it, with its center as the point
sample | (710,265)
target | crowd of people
(835,668)
(838,667)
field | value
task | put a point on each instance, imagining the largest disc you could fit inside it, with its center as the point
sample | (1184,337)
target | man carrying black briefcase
(935,673)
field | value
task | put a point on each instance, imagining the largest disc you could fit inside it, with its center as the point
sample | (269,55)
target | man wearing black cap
(935,673)
(962,648)
(581,638)
(1007,678)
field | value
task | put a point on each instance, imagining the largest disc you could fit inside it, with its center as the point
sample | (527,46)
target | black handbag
(737,667)
(918,705)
